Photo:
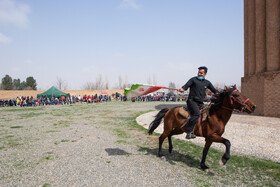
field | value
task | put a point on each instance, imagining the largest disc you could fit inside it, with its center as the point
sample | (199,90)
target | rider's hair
(203,67)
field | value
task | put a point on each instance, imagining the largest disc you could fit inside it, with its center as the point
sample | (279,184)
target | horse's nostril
(253,108)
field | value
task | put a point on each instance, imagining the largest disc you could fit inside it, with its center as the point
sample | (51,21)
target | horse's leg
(161,139)
(226,156)
(173,132)
(205,151)
(226,142)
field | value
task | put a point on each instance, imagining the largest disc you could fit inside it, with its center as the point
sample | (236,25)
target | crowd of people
(160,97)
(42,101)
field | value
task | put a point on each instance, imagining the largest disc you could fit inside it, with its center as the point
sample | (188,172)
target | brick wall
(264,90)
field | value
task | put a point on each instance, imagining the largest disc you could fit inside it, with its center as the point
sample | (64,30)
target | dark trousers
(194,109)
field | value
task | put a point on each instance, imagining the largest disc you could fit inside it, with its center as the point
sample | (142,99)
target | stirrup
(190,135)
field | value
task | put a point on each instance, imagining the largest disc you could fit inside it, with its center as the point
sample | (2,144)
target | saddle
(203,117)
(204,112)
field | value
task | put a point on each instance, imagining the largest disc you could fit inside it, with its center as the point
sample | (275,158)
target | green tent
(52,92)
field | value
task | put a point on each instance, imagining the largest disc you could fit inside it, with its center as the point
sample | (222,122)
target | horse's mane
(217,102)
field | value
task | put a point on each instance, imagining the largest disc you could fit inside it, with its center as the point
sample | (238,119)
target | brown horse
(212,128)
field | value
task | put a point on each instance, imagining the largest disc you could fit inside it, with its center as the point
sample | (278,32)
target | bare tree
(154,80)
(65,86)
(61,84)
(120,82)
(106,83)
(219,85)
(89,86)
(149,81)
(99,83)
(171,85)
(125,84)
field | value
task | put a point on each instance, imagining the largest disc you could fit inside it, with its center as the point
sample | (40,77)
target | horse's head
(239,101)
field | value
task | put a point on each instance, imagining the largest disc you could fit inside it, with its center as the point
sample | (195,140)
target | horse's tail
(157,120)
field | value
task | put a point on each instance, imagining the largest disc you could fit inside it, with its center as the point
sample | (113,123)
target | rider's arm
(188,84)
(212,88)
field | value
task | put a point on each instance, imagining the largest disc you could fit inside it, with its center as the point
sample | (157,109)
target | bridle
(235,99)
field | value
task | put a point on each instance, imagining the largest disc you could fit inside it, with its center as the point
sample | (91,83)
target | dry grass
(12,94)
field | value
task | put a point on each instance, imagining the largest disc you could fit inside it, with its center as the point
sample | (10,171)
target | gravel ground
(249,135)
(92,145)
(80,146)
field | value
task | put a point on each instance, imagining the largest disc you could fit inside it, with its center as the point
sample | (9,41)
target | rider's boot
(190,127)
(190,135)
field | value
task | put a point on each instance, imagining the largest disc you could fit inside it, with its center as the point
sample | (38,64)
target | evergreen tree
(31,82)
(22,85)
(7,83)
(16,84)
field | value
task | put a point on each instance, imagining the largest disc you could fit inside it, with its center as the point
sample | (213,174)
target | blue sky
(156,41)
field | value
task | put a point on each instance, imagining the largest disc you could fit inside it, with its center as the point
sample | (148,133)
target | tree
(7,83)
(16,84)
(120,82)
(125,84)
(22,85)
(154,80)
(89,86)
(106,83)
(149,81)
(171,85)
(61,84)
(31,82)
(219,85)
(99,83)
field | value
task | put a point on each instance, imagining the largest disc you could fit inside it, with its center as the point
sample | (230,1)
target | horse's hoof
(170,150)
(160,155)
(204,167)
(222,163)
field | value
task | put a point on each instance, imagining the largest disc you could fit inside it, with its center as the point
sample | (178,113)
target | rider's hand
(181,90)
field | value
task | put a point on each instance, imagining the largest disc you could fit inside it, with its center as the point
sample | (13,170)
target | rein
(232,99)
(231,109)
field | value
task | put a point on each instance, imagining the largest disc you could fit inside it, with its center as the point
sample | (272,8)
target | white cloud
(129,4)
(12,12)
(5,39)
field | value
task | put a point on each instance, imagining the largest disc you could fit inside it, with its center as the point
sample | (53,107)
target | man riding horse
(198,86)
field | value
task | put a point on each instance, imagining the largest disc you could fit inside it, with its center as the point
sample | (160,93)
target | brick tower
(261,81)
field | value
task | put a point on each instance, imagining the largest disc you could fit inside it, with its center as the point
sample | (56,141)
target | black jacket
(198,88)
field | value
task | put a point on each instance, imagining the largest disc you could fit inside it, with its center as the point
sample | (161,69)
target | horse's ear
(226,88)
(234,86)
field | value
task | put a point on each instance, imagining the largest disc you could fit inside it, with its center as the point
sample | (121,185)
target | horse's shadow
(172,157)
(116,151)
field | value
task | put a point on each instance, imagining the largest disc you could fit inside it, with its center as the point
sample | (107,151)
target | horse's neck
(224,112)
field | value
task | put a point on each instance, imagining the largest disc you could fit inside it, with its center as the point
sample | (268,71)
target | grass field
(33,138)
